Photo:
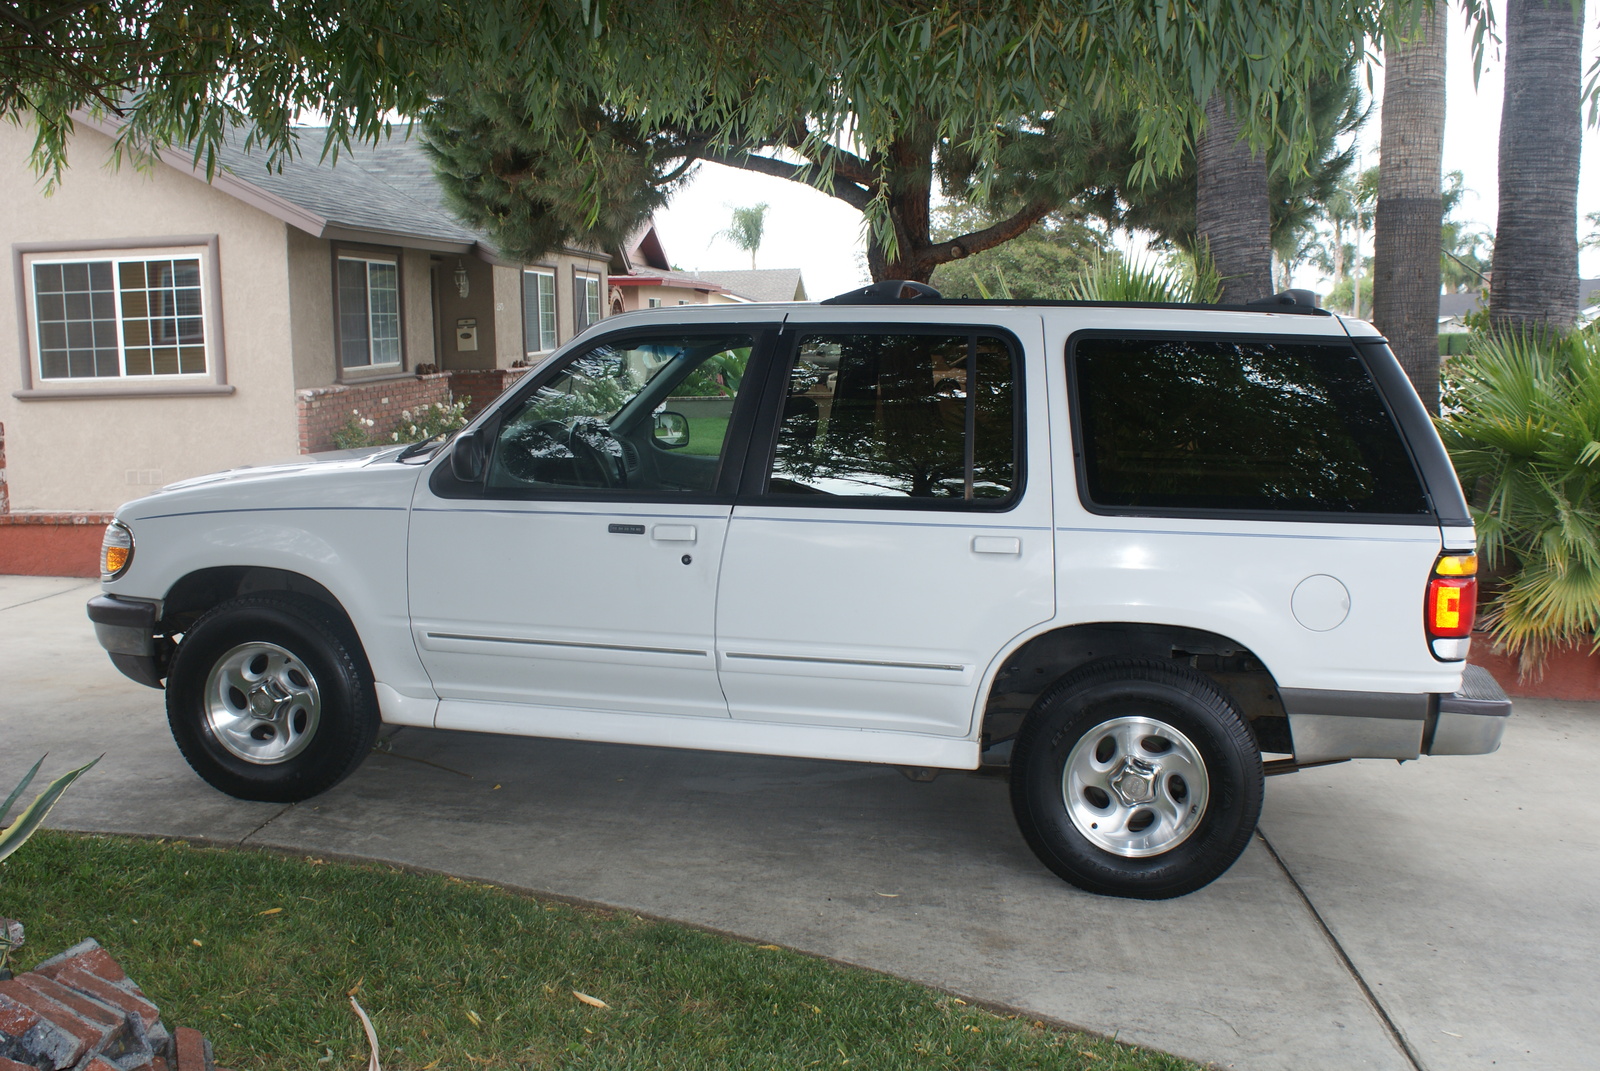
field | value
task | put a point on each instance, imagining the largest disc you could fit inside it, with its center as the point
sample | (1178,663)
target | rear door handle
(673,533)
(996,545)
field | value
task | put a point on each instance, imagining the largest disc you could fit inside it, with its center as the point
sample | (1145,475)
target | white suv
(1126,550)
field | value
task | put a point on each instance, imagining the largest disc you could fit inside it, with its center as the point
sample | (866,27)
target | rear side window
(1236,426)
(908,417)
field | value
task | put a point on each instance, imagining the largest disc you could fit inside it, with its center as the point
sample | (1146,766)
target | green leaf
(14,835)
(16,793)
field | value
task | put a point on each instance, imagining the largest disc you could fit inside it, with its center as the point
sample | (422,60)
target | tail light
(1451,604)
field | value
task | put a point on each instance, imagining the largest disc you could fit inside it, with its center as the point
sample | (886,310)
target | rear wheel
(1136,778)
(269,698)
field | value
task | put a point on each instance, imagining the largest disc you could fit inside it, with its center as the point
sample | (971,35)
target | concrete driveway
(1438,915)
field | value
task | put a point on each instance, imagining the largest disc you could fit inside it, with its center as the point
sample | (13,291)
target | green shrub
(1522,424)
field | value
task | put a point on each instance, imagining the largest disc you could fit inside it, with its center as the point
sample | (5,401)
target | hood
(327,460)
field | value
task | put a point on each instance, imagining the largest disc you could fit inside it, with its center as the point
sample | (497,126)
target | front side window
(898,416)
(1239,425)
(538,311)
(119,317)
(647,415)
(586,299)
(369,312)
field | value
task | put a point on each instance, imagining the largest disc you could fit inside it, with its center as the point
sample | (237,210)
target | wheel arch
(1036,663)
(196,593)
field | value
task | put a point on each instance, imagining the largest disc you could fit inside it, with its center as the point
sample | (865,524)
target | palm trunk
(1232,216)
(1405,277)
(1536,238)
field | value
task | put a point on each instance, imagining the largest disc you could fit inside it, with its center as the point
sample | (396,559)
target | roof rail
(885,292)
(1307,298)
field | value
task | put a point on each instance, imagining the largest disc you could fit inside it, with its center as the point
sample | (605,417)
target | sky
(823,236)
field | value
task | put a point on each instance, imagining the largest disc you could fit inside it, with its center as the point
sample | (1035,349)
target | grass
(260,951)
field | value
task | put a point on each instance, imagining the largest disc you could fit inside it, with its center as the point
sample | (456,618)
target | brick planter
(51,544)
(79,1012)
(324,410)
(483,386)
(1570,672)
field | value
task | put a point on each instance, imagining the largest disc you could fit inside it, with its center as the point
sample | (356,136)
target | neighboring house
(647,280)
(167,327)
(1455,308)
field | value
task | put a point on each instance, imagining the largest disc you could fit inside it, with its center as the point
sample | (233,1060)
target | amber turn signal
(116,551)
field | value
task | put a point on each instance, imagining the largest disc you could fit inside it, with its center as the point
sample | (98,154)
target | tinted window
(644,415)
(1174,424)
(892,416)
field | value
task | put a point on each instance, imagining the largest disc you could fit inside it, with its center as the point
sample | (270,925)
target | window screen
(130,316)
(1230,426)
(917,416)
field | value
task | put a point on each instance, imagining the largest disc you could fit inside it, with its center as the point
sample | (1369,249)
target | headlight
(116,551)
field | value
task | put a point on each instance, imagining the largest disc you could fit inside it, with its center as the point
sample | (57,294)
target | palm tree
(1405,254)
(1536,237)
(747,228)
(1233,217)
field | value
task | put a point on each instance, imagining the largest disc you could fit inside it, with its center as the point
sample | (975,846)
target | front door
(894,543)
(581,572)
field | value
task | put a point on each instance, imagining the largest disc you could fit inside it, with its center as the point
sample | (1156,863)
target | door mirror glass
(466,457)
(672,430)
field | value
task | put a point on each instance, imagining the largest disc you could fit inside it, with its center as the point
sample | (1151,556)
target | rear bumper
(1470,721)
(126,629)
(1328,726)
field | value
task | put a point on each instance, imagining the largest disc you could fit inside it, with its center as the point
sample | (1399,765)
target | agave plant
(13,836)
(1523,428)
(1117,278)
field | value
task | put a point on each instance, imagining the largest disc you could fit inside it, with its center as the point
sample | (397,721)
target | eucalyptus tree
(1409,213)
(1536,234)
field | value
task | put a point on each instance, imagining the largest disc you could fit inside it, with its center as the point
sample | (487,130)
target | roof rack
(897,291)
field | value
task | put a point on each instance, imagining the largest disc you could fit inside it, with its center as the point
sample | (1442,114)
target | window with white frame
(369,311)
(655,303)
(586,298)
(119,316)
(538,311)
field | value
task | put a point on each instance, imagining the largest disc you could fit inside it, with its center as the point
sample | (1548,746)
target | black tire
(1195,826)
(302,668)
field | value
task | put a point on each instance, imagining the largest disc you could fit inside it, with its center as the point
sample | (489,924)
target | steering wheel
(596,449)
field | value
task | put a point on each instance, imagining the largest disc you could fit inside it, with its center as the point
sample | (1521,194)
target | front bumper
(126,628)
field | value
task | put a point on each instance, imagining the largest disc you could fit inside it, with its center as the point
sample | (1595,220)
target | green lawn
(260,951)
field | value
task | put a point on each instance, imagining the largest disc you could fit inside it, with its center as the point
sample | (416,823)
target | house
(1455,308)
(166,326)
(647,280)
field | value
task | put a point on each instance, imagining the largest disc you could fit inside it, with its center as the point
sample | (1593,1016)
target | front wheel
(270,699)
(1136,778)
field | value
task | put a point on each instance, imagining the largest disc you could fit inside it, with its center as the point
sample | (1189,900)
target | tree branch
(850,193)
(989,237)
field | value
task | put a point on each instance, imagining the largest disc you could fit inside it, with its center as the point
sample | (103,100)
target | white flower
(368,422)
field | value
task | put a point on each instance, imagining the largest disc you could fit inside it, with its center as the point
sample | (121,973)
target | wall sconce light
(463,284)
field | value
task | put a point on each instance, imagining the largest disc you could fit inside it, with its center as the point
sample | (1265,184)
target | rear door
(894,534)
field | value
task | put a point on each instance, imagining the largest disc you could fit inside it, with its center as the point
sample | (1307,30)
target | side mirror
(466,456)
(672,431)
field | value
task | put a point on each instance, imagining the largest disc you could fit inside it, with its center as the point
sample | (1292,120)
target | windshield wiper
(430,445)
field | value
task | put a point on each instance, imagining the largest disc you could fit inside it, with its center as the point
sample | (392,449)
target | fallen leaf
(476,1021)
(593,1002)
(353,990)
(436,1063)
(196,942)
(1454,1035)
(958,1000)
(770,948)
(1090,1055)
(270,911)
(372,1036)
(496,786)
(890,895)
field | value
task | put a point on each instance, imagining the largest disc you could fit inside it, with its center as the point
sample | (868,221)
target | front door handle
(673,533)
(996,545)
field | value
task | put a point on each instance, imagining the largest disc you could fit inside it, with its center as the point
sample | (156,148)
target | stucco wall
(95,453)
(310,309)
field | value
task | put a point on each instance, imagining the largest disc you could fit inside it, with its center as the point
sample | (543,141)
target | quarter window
(538,311)
(1225,426)
(369,312)
(898,416)
(115,317)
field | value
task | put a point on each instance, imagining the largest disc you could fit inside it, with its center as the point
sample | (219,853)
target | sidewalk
(1437,914)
